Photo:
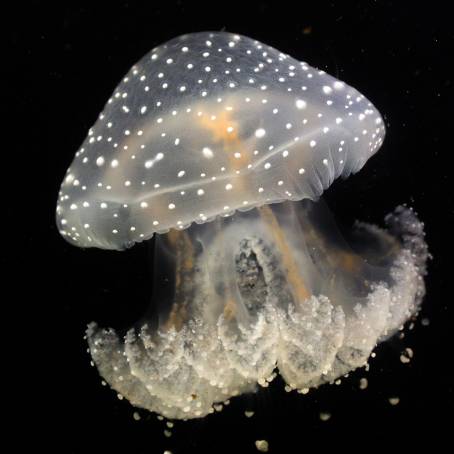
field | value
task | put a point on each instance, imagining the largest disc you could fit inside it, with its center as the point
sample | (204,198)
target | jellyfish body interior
(219,146)
(273,287)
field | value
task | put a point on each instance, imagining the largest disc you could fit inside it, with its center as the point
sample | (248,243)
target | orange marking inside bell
(225,130)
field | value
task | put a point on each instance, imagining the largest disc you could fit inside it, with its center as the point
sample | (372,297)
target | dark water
(399,54)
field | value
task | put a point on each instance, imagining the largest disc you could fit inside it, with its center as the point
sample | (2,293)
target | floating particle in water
(363,383)
(167,433)
(325,416)
(249,413)
(425,321)
(262,445)
(136,416)
(406,355)
(394,400)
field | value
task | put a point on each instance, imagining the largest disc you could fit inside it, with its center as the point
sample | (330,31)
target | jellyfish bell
(220,147)
(208,124)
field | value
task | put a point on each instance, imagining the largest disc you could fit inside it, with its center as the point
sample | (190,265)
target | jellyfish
(220,147)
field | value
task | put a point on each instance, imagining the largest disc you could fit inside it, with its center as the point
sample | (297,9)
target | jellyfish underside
(275,288)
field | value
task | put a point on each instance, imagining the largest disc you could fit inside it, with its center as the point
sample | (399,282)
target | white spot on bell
(259,133)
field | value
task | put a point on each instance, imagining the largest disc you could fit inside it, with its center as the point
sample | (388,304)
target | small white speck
(259,133)
(394,400)
(207,153)
(262,445)
(327,90)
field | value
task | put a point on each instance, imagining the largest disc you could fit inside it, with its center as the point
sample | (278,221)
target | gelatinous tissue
(219,147)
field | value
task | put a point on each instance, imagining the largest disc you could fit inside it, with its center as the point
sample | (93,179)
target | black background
(69,58)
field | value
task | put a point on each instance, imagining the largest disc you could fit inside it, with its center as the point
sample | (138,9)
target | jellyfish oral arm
(269,289)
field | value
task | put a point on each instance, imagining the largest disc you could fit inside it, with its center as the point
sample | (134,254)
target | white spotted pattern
(209,121)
